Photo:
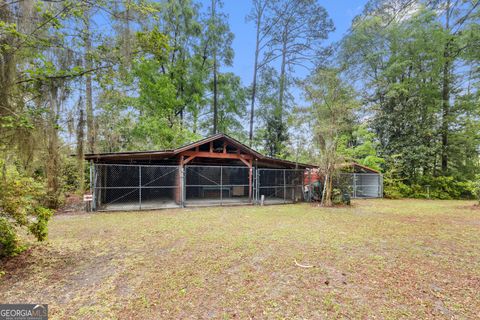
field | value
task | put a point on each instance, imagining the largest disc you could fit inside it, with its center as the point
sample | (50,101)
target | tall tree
(332,106)
(218,44)
(409,65)
(264,24)
(457,16)
(87,39)
(301,27)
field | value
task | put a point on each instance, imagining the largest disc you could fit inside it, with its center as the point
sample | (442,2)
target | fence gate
(136,187)
(217,185)
(279,185)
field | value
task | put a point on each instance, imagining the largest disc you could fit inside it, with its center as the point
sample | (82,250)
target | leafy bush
(394,188)
(474,187)
(443,187)
(21,207)
(9,244)
(340,197)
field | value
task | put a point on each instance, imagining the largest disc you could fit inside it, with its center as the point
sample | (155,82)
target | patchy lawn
(382,259)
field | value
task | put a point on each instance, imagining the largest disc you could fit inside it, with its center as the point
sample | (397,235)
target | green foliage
(420,80)
(474,187)
(154,42)
(428,187)
(9,244)
(361,146)
(275,136)
(332,106)
(21,207)
(70,175)
(340,197)
(39,228)
(232,99)
(394,188)
(273,130)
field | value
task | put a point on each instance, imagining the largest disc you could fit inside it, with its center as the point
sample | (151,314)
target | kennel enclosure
(217,170)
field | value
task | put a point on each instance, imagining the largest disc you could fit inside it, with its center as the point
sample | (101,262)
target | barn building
(217,170)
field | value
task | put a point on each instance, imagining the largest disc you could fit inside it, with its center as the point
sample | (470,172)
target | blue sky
(341,12)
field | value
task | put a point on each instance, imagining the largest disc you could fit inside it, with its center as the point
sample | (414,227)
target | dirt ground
(379,259)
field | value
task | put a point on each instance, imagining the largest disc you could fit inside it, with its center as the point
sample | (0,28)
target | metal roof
(173,152)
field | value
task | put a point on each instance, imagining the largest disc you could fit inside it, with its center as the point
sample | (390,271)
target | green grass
(384,259)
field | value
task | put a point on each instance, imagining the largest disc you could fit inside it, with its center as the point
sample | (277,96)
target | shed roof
(359,167)
(168,153)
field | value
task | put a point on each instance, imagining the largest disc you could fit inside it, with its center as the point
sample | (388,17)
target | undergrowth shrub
(442,187)
(20,208)
(474,187)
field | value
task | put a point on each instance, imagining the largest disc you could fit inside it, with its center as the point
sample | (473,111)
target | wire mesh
(206,185)
(360,185)
(134,187)
(280,185)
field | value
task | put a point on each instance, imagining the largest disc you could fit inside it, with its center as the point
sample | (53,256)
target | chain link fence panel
(136,187)
(280,185)
(360,185)
(217,185)
(140,187)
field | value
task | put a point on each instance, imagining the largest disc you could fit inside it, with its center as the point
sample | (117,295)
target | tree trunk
(7,64)
(327,190)
(215,107)
(328,193)
(215,66)
(254,82)
(53,156)
(281,96)
(80,151)
(324,189)
(446,95)
(88,85)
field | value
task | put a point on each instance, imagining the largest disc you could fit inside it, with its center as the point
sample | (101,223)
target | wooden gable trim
(217,155)
(232,142)
(188,159)
(247,163)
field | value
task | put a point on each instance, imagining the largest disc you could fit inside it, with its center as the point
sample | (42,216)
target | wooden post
(221,185)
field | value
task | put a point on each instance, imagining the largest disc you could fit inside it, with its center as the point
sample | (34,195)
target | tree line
(399,91)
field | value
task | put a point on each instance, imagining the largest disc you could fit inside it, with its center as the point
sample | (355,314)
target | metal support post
(140,187)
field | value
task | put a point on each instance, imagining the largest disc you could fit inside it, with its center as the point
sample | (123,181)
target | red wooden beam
(247,163)
(188,159)
(203,154)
